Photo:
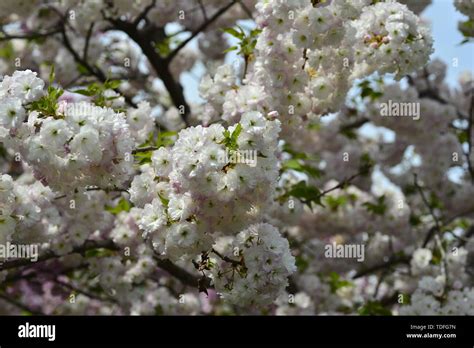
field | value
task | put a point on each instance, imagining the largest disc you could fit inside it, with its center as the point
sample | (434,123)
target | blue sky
(444,18)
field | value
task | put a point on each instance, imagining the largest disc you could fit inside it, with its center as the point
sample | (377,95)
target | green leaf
(81,69)
(406,299)
(246,43)
(434,201)
(415,220)
(463,137)
(230,49)
(377,208)
(301,263)
(365,164)
(349,133)
(122,205)
(293,153)
(308,195)
(85,92)
(410,38)
(335,282)
(368,92)
(164,201)
(437,257)
(99,252)
(230,140)
(335,202)
(294,164)
(466,28)
(7,51)
(52,75)
(47,105)
(235,33)
(112,84)
(143,157)
(374,308)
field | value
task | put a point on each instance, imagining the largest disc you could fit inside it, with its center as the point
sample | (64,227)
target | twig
(88,245)
(437,227)
(342,184)
(227,259)
(356,124)
(144,13)
(161,67)
(184,276)
(19,305)
(107,190)
(83,292)
(201,28)
(394,260)
(32,36)
(88,39)
(469,138)
(246,9)
(83,62)
(145,149)
(203,10)
(98,73)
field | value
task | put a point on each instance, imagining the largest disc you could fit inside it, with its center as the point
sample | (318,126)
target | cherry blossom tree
(123,192)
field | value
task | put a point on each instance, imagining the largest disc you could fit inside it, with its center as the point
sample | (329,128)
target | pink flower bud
(374,45)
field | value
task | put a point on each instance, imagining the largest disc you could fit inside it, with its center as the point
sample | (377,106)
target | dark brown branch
(203,10)
(98,73)
(84,63)
(437,227)
(394,260)
(88,245)
(107,190)
(469,233)
(31,36)
(83,292)
(356,124)
(145,149)
(342,184)
(88,39)
(19,304)
(246,9)
(469,138)
(184,276)
(144,39)
(200,29)
(227,259)
(144,13)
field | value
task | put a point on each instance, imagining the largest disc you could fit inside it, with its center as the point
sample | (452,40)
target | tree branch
(184,276)
(144,13)
(144,149)
(469,138)
(201,28)
(88,245)
(83,62)
(19,304)
(144,40)
(394,260)
(437,227)
(31,36)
